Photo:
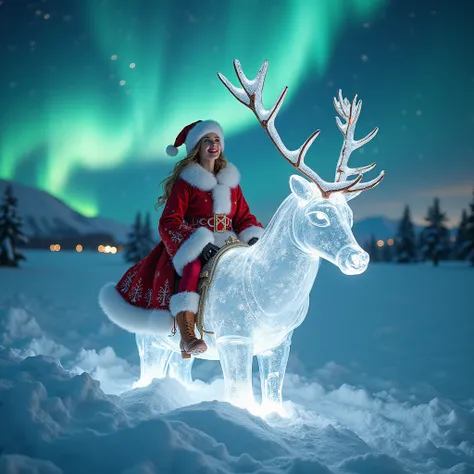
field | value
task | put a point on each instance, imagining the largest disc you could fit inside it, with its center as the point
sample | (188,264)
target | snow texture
(381,383)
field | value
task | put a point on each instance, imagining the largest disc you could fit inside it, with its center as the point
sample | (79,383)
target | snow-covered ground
(380,380)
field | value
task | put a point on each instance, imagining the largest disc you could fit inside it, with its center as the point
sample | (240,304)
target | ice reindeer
(260,294)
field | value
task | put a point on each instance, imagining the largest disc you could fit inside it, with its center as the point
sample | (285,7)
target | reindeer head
(322,224)
(322,227)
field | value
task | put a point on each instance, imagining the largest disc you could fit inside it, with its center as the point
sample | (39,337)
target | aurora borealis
(93,91)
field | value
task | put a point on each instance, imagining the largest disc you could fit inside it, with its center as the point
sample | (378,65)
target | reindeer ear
(303,189)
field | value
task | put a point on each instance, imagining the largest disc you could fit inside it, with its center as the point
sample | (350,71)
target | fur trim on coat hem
(133,318)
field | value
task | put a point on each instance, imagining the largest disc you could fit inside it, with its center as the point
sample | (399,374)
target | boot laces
(189,327)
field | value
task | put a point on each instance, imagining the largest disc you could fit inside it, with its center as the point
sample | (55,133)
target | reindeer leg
(154,359)
(236,355)
(180,369)
(272,368)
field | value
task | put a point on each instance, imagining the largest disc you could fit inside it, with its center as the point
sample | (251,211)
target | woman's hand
(207,253)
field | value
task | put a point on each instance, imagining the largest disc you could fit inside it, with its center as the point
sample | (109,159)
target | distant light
(57,247)
(107,249)
(132,65)
(390,242)
(51,247)
(113,250)
(114,57)
(100,248)
(47,16)
(79,248)
(380,243)
(122,82)
(120,248)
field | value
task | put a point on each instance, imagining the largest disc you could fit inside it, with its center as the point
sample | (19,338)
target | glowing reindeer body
(260,294)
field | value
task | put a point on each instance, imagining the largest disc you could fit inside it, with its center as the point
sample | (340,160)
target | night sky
(92,91)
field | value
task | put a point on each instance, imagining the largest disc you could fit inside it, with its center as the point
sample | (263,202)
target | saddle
(206,277)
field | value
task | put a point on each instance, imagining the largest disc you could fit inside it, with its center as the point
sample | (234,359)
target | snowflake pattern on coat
(148,297)
(127,282)
(136,291)
(176,237)
(164,294)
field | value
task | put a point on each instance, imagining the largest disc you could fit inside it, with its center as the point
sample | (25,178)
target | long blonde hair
(191,157)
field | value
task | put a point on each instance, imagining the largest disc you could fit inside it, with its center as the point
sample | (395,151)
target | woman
(204,205)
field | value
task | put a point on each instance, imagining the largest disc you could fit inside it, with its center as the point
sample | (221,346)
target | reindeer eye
(318,218)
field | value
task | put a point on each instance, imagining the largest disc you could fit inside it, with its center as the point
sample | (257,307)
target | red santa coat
(201,209)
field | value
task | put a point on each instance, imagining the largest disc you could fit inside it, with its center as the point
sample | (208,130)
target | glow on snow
(152,76)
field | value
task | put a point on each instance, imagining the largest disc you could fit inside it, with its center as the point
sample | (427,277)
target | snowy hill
(44,216)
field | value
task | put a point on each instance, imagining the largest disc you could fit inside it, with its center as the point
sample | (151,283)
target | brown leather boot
(189,344)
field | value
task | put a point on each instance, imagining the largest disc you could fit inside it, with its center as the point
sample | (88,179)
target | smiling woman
(204,205)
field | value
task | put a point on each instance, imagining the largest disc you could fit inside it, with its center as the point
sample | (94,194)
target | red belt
(218,222)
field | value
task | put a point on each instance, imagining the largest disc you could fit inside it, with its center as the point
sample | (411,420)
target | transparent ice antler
(251,96)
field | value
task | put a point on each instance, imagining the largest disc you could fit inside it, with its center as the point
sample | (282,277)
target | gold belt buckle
(220,222)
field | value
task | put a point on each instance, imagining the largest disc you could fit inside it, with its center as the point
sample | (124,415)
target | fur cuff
(250,233)
(184,301)
(191,248)
(133,318)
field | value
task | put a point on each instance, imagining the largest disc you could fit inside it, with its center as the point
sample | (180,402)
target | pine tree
(373,249)
(461,237)
(132,247)
(148,242)
(468,247)
(435,234)
(405,249)
(140,240)
(11,234)
(387,253)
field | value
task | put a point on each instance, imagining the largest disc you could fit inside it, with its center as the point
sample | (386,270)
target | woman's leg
(186,319)
(189,279)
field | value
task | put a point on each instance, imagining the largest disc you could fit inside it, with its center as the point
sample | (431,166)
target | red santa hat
(192,133)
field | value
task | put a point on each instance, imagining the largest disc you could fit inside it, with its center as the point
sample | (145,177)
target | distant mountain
(46,216)
(380,227)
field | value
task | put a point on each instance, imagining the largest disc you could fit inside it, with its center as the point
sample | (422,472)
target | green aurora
(144,76)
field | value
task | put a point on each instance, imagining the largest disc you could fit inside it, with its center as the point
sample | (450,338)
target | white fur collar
(202,179)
